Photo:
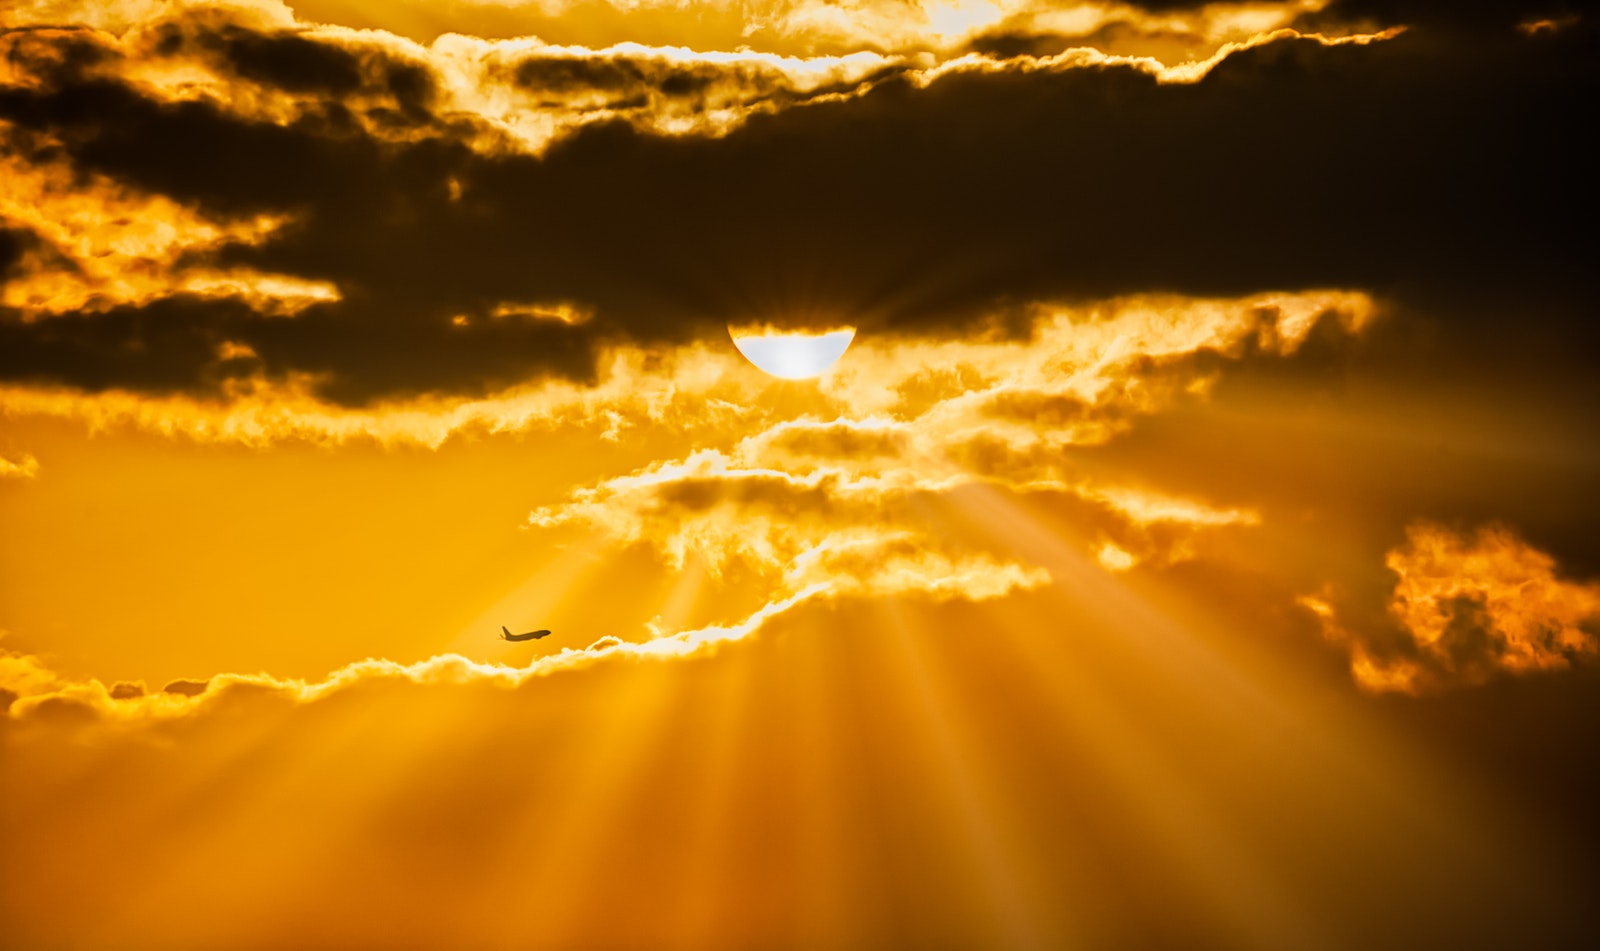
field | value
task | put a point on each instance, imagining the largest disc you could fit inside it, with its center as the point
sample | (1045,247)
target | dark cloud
(1055,410)
(624,81)
(145,348)
(298,62)
(187,688)
(758,493)
(1474,14)
(1452,173)
(55,54)
(289,61)
(175,344)
(1469,648)
(131,691)
(1019,36)
(569,74)
(14,243)
(839,441)
(63,711)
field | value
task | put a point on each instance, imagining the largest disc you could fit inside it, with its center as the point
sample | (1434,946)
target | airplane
(506,635)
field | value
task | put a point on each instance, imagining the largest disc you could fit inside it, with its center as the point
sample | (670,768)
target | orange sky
(1194,548)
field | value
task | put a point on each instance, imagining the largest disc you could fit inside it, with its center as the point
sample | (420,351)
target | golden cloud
(34,692)
(23,467)
(832,484)
(809,27)
(992,406)
(118,16)
(527,92)
(101,245)
(256,62)
(852,502)
(839,489)
(634,388)
(23,675)
(1470,607)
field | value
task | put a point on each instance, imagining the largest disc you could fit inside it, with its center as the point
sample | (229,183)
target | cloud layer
(392,199)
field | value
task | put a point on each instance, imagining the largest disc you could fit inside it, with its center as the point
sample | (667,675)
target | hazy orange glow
(995,473)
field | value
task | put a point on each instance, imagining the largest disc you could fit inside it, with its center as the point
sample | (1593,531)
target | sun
(792,356)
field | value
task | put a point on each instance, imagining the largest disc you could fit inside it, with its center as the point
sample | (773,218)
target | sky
(1195,546)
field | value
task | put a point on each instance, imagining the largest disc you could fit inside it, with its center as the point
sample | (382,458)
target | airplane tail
(504,634)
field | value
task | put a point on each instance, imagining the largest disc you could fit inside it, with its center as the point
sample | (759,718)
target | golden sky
(1195,546)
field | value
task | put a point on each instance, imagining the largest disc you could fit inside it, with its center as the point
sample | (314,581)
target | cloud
(980,401)
(1469,608)
(83,245)
(670,91)
(23,674)
(811,27)
(24,467)
(41,695)
(1471,14)
(873,204)
(860,493)
(849,536)
(185,688)
(848,498)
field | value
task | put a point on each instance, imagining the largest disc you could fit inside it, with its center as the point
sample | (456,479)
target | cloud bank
(346,214)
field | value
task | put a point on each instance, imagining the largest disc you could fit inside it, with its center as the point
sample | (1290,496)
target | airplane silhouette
(506,635)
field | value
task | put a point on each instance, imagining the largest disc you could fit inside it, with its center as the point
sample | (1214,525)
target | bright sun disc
(793,356)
